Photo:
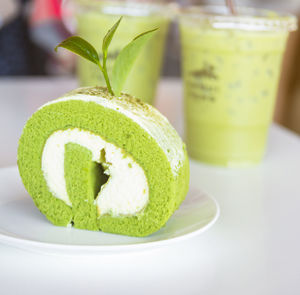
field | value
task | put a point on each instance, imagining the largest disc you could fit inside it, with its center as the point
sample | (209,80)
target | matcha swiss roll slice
(101,162)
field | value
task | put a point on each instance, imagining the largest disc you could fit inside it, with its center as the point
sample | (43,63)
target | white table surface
(252,249)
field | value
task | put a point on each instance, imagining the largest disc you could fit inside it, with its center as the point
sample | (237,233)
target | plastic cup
(94,18)
(231,67)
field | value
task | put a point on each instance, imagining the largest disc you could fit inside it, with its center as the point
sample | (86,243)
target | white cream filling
(126,191)
(152,121)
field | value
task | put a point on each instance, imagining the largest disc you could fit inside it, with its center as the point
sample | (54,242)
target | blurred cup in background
(231,67)
(94,18)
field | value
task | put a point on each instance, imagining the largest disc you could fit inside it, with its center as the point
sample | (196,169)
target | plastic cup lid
(250,19)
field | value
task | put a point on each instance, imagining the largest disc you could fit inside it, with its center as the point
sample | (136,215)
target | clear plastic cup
(94,18)
(231,67)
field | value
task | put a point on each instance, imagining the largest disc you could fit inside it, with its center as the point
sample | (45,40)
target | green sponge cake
(102,162)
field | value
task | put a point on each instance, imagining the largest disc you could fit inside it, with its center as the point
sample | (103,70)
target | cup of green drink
(231,67)
(93,20)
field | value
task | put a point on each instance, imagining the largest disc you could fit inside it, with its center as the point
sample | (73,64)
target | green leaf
(125,60)
(80,47)
(106,41)
(108,37)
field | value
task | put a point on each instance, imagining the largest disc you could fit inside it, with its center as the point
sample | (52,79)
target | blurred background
(30,29)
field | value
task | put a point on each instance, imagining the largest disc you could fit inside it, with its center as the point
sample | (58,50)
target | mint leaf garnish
(80,47)
(123,63)
(106,41)
(108,37)
(126,59)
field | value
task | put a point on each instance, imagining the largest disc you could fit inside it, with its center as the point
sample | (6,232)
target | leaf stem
(104,72)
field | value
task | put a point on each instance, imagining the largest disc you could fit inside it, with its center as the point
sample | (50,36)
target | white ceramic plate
(23,226)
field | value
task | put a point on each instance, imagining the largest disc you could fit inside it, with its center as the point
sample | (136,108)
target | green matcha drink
(231,66)
(95,18)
